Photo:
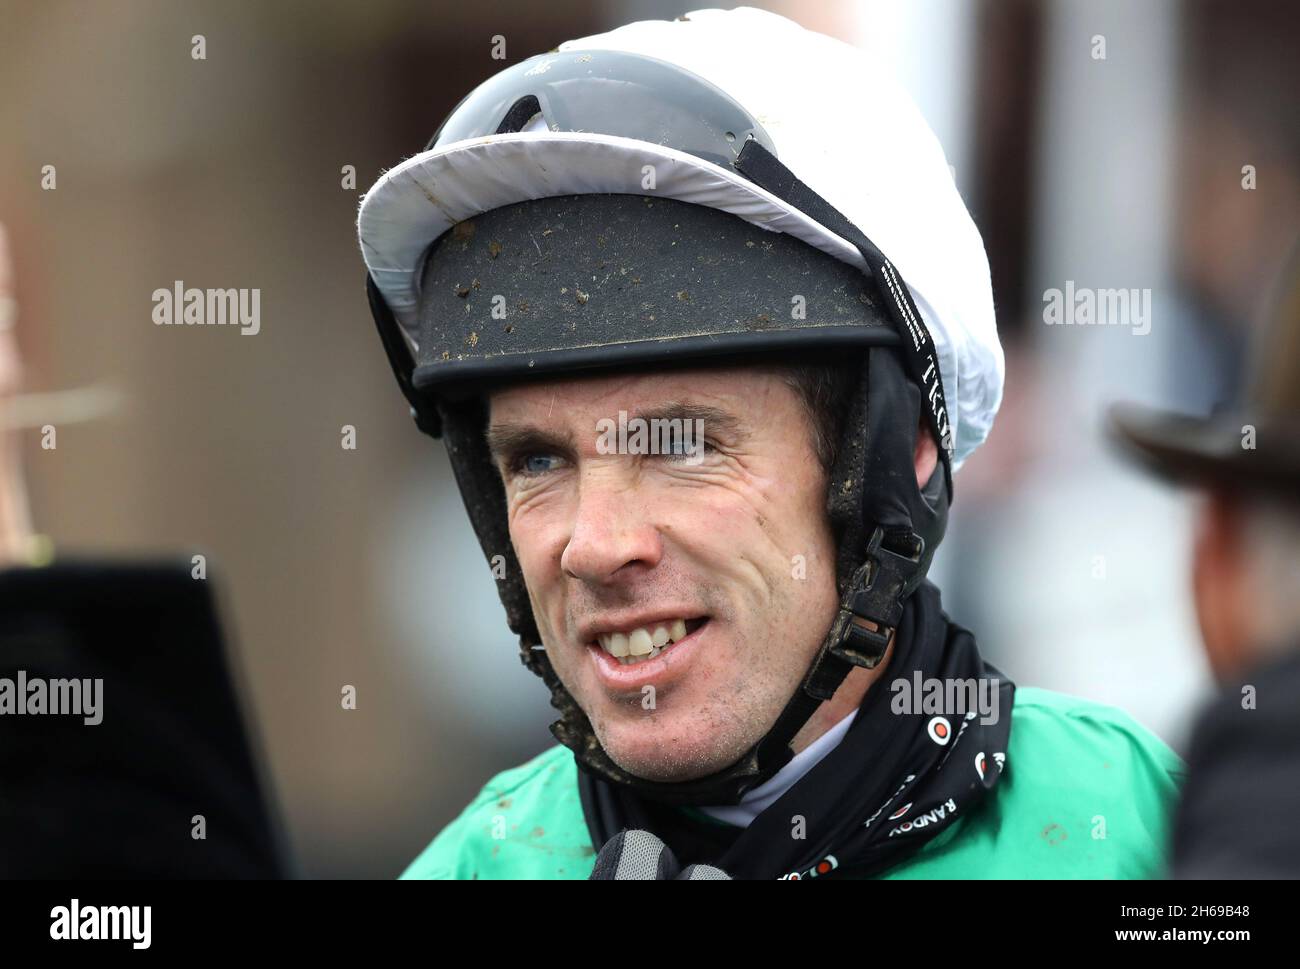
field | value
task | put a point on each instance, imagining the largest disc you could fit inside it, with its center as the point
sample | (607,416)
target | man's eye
(680,448)
(535,463)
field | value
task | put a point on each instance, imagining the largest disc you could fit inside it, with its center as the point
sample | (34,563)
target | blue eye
(680,449)
(535,463)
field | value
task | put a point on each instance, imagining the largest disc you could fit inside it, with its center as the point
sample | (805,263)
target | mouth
(640,644)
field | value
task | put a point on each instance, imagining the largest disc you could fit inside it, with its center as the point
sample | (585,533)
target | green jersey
(1087,793)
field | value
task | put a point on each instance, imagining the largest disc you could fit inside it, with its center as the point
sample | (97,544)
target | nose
(612,538)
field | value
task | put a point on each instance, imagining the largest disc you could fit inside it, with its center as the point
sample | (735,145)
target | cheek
(777,513)
(767,543)
(538,532)
(796,550)
(718,527)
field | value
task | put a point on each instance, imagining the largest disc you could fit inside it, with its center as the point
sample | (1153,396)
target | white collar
(755,802)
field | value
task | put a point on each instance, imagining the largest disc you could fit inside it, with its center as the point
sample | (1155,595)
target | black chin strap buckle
(876,595)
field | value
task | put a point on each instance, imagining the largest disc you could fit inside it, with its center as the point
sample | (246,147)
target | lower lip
(666,665)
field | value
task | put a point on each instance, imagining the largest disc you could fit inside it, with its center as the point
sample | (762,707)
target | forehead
(560,401)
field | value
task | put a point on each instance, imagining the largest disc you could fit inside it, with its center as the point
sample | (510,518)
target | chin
(667,754)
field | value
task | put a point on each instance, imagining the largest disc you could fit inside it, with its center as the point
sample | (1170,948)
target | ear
(926,454)
(1219,584)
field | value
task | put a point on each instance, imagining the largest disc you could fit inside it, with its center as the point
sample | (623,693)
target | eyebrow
(509,438)
(716,419)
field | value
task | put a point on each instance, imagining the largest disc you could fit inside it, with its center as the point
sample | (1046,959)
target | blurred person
(666,226)
(123,751)
(1237,815)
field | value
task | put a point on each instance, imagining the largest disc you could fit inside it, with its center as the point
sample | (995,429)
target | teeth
(642,643)
(633,660)
(639,644)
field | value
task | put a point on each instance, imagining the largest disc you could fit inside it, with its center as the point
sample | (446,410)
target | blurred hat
(1255,446)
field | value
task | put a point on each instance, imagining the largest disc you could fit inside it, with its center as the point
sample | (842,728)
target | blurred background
(1151,146)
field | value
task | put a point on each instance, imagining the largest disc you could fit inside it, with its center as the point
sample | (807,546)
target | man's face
(736,546)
